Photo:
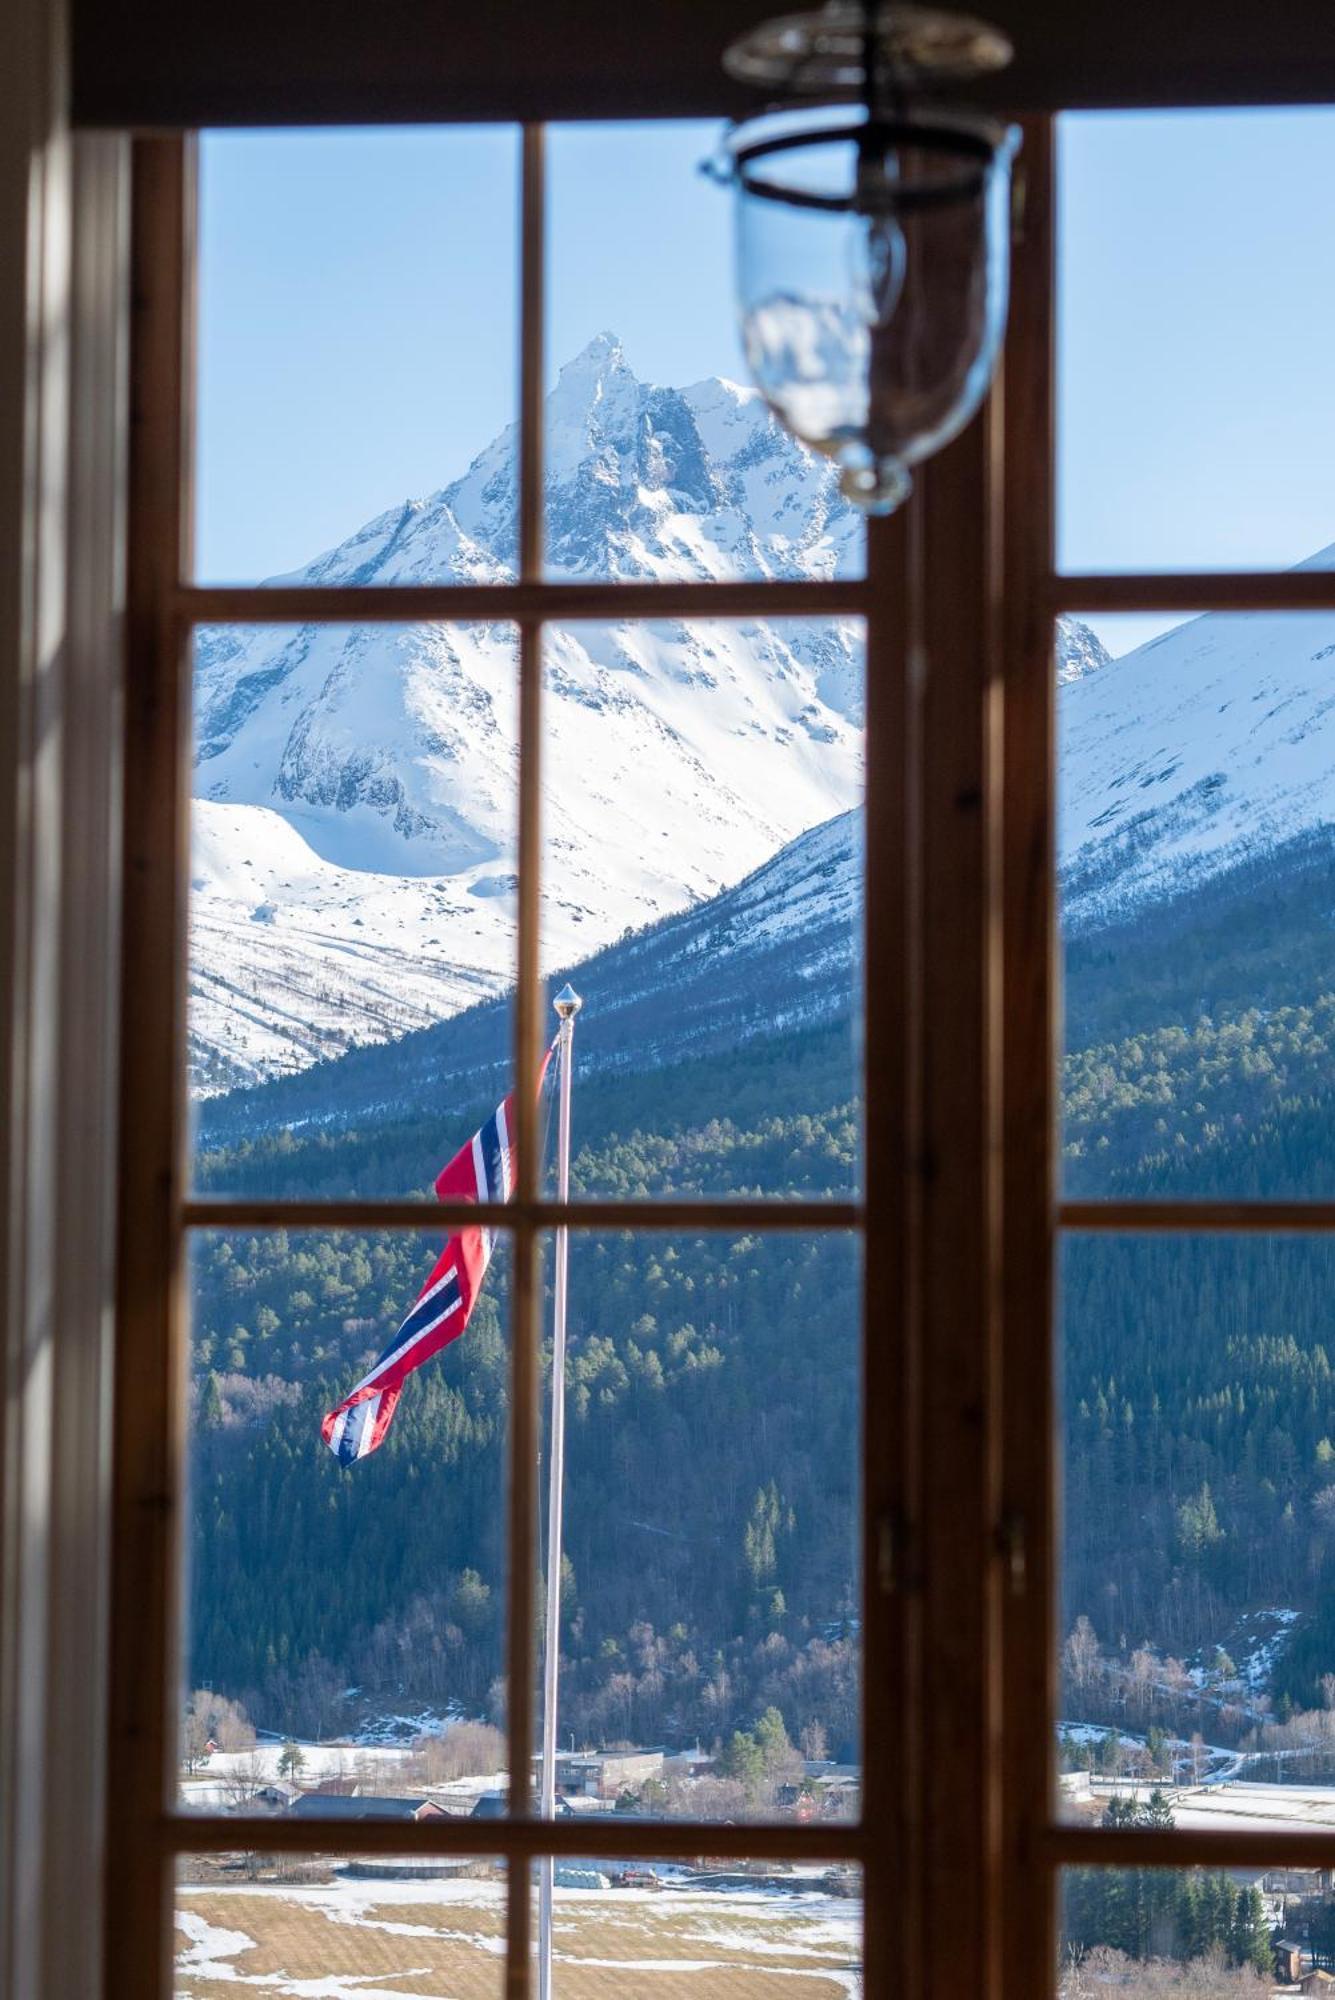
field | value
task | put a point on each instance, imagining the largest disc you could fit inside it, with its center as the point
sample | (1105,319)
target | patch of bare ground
(574,1981)
(298,1941)
(476,1919)
(447,1951)
(661,1931)
(189,1987)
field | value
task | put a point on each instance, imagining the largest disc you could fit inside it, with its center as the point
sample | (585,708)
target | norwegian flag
(484,1170)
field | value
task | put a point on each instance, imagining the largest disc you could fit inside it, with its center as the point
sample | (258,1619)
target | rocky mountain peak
(1079,651)
(591,377)
(594,412)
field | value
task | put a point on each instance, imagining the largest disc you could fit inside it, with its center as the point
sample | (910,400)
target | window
(549,640)
(1193,1282)
(967,1221)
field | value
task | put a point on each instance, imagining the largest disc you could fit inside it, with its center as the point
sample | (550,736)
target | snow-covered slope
(1210,746)
(294,959)
(776,952)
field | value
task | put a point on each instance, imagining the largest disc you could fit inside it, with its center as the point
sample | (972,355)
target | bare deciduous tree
(464,1750)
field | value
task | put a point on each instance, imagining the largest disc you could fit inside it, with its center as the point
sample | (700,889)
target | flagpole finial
(567,1003)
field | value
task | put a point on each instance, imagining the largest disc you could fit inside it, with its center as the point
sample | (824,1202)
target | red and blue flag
(483,1170)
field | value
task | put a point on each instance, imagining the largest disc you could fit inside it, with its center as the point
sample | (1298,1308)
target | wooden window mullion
(1028,1413)
(148,1391)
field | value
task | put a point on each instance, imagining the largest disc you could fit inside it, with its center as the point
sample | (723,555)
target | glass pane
(662,461)
(1143,1932)
(357,342)
(1198,1434)
(748,1930)
(1196,407)
(710,1657)
(1197,794)
(353,858)
(345,1614)
(703,893)
(341,1927)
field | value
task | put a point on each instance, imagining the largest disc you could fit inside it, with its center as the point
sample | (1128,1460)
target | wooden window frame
(158,1212)
(958,1219)
(1036,1219)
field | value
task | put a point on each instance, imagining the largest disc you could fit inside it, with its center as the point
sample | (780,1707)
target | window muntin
(894,1550)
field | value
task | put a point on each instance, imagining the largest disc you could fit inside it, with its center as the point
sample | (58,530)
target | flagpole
(567,1005)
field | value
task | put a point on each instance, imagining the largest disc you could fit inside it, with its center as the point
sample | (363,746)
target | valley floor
(348,1939)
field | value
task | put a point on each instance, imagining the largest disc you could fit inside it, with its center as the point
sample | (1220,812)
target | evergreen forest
(713,1389)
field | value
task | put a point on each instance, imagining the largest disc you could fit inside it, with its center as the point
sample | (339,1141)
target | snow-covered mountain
(354,826)
(1210,746)
(354,823)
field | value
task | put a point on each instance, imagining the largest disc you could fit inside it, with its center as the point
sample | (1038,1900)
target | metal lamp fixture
(872,234)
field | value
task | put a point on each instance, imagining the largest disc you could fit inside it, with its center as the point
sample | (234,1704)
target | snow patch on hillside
(1255,1645)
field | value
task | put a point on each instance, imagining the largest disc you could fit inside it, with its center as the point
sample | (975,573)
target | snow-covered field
(1238,1806)
(384,1940)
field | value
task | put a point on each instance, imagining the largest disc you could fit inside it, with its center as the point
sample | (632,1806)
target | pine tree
(1250,1940)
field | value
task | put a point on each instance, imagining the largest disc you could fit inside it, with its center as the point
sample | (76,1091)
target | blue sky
(1197,341)
(357,323)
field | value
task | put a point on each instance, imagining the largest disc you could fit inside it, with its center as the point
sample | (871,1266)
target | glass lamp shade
(872,266)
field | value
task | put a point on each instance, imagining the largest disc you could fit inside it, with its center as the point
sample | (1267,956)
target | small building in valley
(1288,1962)
(605,1774)
(344,1809)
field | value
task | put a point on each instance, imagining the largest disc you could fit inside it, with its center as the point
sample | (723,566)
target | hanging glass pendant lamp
(872,234)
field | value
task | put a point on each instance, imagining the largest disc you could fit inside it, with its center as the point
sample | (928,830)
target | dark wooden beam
(172,63)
